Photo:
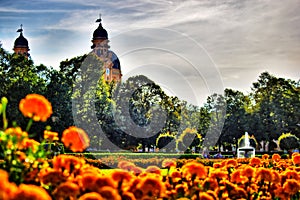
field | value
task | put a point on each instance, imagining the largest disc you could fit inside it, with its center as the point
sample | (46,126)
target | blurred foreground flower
(36,106)
(75,138)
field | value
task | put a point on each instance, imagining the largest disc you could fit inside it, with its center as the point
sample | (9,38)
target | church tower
(112,67)
(21,44)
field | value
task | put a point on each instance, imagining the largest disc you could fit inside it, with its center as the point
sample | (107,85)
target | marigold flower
(128,196)
(29,143)
(276,157)
(31,192)
(255,161)
(219,174)
(205,196)
(151,186)
(192,169)
(265,156)
(276,177)
(168,163)
(7,190)
(91,196)
(231,163)
(75,138)
(264,174)
(291,186)
(109,193)
(36,106)
(210,184)
(237,177)
(153,169)
(296,159)
(49,135)
(290,174)
(66,190)
(17,131)
(121,176)
(248,172)
(67,162)
(51,176)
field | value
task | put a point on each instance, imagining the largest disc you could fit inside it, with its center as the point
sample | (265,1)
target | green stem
(29,124)
(5,122)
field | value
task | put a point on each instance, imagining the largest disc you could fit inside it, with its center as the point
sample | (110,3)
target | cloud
(239,38)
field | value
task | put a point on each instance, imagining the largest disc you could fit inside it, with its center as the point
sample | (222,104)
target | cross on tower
(99,20)
(21,29)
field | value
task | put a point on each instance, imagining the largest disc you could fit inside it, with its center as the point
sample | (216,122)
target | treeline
(137,112)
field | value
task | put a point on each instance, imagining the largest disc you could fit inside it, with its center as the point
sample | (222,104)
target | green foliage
(288,141)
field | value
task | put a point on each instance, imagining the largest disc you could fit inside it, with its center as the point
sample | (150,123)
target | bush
(288,141)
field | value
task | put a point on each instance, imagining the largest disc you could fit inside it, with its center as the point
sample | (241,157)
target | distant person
(218,155)
(205,153)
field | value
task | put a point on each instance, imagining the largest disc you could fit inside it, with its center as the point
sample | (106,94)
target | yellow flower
(36,106)
(75,138)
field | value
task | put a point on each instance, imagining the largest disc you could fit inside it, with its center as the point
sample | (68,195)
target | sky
(191,48)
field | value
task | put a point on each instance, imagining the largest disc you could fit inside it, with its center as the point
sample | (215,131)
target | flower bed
(27,173)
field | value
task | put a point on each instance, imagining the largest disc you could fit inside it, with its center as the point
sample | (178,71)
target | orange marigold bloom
(31,192)
(276,177)
(237,177)
(153,169)
(167,163)
(151,186)
(49,135)
(66,190)
(128,196)
(210,184)
(265,156)
(264,174)
(231,163)
(291,186)
(29,143)
(255,161)
(7,189)
(276,157)
(120,175)
(194,169)
(109,193)
(219,174)
(75,138)
(36,106)
(205,196)
(17,131)
(248,172)
(296,159)
(91,196)
(67,162)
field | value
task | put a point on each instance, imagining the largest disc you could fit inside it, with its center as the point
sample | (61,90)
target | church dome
(100,33)
(115,60)
(21,41)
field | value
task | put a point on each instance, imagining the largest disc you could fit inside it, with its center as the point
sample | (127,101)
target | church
(112,67)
